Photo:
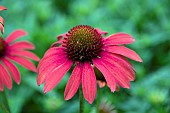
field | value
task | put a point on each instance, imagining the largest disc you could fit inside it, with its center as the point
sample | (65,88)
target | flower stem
(81,100)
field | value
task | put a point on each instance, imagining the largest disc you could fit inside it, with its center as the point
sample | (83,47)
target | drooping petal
(22,45)
(2,8)
(119,38)
(5,77)
(60,37)
(117,73)
(123,51)
(1,85)
(56,75)
(24,53)
(88,82)
(121,62)
(1,28)
(16,34)
(56,43)
(100,31)
(13,70)
(24,62)
(44,69)
(109,78)
(73,82)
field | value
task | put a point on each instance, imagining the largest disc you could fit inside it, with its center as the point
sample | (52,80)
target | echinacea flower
(2,20)
(85,46)
(17,52)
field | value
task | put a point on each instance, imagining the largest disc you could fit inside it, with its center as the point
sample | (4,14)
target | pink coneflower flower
(2,20)
(85,46)
(17,52)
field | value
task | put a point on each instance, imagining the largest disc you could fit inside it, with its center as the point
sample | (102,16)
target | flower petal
(5,77)
(2,8)
(53,51)
(22,45)
(24,62)
(100,31)
(123,51)
(88,82)
(73,82)
(56,75)
(14,35)
(24,53)
(13,70)
(109,79)
(1,20)
(119,38)
(44,69)
(121,62)
(1,28)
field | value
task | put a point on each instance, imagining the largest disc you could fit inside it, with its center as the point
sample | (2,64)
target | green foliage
(146,20)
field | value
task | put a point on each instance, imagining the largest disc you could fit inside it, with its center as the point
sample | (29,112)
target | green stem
(98,100)
(81,100)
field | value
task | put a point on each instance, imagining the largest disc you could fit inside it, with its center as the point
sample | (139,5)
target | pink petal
(5,77)
(1,28)
(56,75)
(56,43)
(24,62)
(123,51)
(13,70)
(22,45)
(100,31)
(1,86)
(121,62)
(119,38)
(24,53)
(54,50)
(117,73)
(44,69)
(109,78)
(2,8)
(1,20)
(61,36)
(88,82)
(73,82)
(16,34)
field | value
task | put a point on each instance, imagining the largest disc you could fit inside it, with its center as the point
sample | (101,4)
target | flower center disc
(83,43)
(2,47)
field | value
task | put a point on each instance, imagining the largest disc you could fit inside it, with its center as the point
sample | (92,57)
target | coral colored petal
(22,45)
(13,70)
(122,63)
(2,8)
(1,20)
(100,31)
(5,77)
(119,38)
(117,73)
(123,51)
(111,83)
(16,34)
(1,85)
(88,82)
(73,82)
(56,75)
(1,28)
(54,50)
(24,53)
(44,69)
(24,62)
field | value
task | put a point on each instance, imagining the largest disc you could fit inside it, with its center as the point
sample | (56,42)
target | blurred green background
(147,20)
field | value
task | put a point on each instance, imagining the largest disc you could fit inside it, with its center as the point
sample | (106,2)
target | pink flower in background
(85,46)
(2,20)
(17,52)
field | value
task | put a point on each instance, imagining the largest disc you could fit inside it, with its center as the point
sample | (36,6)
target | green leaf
(4,107)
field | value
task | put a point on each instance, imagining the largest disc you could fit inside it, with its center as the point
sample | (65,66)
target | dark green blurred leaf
(4,107)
